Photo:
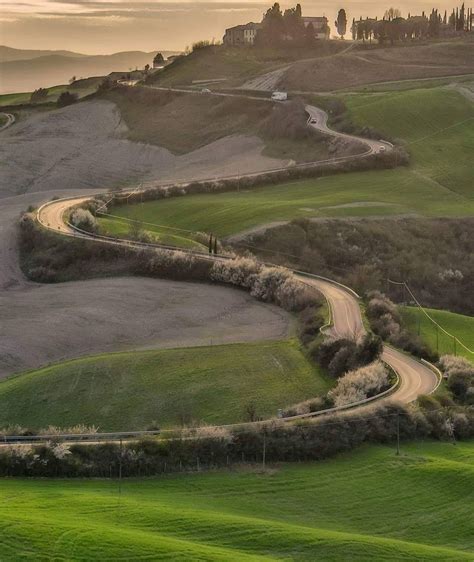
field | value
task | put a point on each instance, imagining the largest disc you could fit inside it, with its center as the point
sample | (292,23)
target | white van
(279,96)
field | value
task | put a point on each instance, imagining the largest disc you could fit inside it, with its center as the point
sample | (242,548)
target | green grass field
(156,234)
(89,86)
(437,124)
(411,84)
(366,505)
(127,391)
(460,326)
(438,127)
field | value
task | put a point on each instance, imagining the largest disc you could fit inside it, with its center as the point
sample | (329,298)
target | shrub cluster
(48,257)
(39,95)
(341,355)
(85,220)
(67,98)
(386,322)
(360,384)
(460,374)
(362,254)
(313,440)
(268,284)
(310,322)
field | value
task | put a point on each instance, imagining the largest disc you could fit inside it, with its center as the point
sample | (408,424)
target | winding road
(415,378)
(10,119)
(106,297)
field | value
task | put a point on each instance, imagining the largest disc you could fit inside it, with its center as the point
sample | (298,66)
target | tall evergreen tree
(341,23)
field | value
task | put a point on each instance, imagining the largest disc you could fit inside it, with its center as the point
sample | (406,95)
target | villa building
(241,34)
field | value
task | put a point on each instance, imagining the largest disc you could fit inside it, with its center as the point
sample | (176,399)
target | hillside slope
(133,391)
(362,66)
(435,125)
(367,505)
(234,65)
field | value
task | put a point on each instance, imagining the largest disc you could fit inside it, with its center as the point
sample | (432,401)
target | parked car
(205,91)
(279,96)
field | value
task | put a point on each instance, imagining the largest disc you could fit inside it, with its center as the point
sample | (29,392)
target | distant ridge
(26,70)
(10,54)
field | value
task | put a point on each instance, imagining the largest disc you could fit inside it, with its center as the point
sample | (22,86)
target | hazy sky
(106,26)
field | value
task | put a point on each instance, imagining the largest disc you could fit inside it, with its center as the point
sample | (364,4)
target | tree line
(393,27)
(287,26)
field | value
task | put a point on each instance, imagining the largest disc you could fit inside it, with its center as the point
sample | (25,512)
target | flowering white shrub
(451,275)
(451,364)
(359,384)
(269,284)
(171,260)
(76,429)
(211,432)
(239,271)
(292,295)
(84,220)
(59,450)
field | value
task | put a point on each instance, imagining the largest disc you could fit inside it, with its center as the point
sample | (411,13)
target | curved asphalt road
(415,378)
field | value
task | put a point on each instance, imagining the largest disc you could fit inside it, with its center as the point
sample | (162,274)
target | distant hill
(39,69)
(10,54)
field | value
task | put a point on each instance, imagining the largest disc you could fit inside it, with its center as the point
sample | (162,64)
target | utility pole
(120,469)
(398,433)
(264,452)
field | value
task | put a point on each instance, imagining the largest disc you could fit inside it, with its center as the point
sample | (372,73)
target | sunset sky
(106,26)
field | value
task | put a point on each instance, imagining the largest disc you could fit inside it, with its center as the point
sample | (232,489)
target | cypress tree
(215,245)
(210,244)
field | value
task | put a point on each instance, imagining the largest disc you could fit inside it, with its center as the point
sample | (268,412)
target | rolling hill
(166,387)
(434,124)
(366,505)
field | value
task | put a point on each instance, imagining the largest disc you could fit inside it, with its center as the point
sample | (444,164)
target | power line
(430,318)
